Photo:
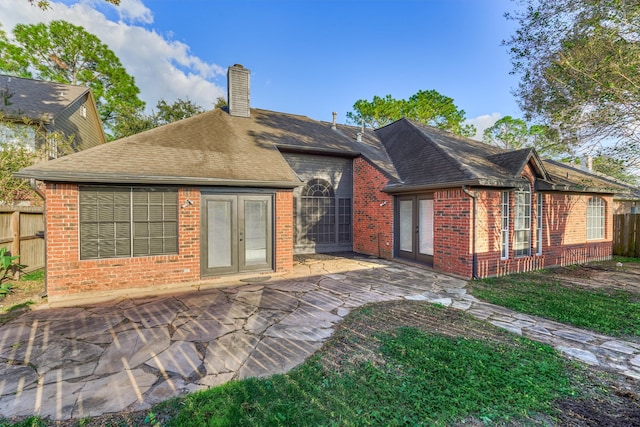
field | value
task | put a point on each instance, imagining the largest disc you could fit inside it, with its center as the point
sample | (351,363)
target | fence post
(15,244)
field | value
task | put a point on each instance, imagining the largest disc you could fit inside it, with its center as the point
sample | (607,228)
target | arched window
(318,210)
(318,188)
(595,218)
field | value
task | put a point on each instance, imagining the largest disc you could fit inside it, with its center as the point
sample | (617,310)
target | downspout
(474,262)
(34,187)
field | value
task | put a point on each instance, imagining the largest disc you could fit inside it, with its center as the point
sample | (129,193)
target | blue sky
(308,57)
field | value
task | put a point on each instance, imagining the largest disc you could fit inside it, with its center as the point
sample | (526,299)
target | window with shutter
(124,221)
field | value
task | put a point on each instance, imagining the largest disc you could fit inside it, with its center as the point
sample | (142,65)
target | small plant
(8,267)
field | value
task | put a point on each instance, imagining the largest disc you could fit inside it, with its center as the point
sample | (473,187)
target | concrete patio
(130,354)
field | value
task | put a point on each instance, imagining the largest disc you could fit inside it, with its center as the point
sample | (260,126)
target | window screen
(122,221)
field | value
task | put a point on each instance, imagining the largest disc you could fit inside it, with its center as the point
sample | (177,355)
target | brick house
(238,192)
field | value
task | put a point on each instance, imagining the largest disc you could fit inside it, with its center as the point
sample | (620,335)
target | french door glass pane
(219,233)
(255,227)
(426,227)
(406,225)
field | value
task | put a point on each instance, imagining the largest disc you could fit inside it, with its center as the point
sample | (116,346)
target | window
(123,222)
(595,218)
(319,211)
(344,220)
(504,239)
(522,223)
(539,202)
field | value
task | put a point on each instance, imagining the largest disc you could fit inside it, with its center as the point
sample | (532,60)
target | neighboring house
(51,107)
(240,191)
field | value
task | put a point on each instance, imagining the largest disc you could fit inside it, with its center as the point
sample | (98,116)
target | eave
(113,178)
(492,183)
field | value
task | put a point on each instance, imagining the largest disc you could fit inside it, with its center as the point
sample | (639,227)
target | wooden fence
(22,233)
(626,235)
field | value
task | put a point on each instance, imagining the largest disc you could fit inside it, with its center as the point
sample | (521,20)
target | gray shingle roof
(429,157)
(566,177)
(36,99)
(212,148)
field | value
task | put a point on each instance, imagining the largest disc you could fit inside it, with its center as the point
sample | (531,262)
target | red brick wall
(68,275)
(372,211)
(564,234)
(283,232)
(452,225)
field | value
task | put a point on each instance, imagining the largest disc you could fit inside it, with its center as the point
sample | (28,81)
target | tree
(135,121)
(23,144)
(180,109)
(426,106)
(65,53)
(508,133)
(220,102)
(578,63)
(512,133)
(45,4)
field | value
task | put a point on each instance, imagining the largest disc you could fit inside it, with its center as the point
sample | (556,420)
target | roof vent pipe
(359,137)
(333,126)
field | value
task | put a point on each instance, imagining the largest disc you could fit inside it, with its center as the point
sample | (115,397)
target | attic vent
(238,91)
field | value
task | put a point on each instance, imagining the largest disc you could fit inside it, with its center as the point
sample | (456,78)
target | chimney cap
(238,65)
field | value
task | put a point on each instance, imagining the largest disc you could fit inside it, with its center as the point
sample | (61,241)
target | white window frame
(539,216)
(504,226)
(596,208)
(522,223)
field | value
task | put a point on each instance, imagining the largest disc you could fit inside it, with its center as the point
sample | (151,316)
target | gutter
(34,187)
(474,262)
(115,178)
(400,188)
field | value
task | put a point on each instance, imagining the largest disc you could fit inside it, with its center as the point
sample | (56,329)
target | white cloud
(162,68)
(134,11)
(483,122)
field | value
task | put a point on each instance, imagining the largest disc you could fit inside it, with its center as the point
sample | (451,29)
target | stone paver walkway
(128,355)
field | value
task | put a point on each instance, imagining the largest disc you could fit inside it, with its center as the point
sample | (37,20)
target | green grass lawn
(615,313)
(418,378)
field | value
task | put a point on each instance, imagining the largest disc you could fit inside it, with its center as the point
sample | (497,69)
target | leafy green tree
(135,121)
(180,109)
(426,106)
(45,4)
(220,102)
(65,53)
(513,133)
(23,144)
(578,63)
(508,133)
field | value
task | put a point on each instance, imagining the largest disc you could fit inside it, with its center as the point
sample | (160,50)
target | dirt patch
(607,276)
(25,294)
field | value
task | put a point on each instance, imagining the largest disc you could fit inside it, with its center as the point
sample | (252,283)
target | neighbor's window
(504,242)
(522,223)
(124,221)
(595,218)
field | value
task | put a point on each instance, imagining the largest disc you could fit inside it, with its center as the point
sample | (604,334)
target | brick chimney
(238,91)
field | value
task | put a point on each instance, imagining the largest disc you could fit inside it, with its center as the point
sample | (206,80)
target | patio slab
(112,357)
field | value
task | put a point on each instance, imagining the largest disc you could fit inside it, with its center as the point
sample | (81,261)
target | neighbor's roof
(37,99)
(212,148)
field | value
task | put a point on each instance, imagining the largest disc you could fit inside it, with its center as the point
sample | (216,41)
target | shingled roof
(568,178)
(212,148)
(426,157)
(36,99)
